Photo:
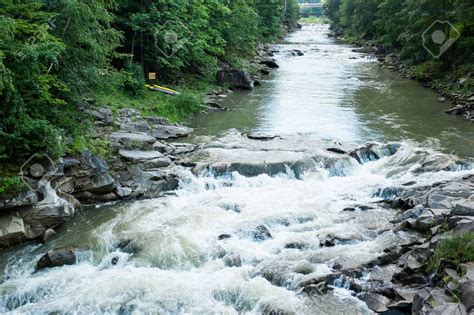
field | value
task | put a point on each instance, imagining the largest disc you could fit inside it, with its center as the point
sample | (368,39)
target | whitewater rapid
(178,261)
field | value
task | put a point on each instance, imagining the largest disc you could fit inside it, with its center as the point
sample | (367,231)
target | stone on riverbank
(236,78)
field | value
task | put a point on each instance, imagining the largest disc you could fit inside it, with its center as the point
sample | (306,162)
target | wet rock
(236,78)
(114,260)
(375,302)
(232,261)
(336,150)
(331,241)
(164,132)
(295,245)
(349,209)
(57,258)
(457,110)
(364,154)
(261,137)
(441,100)
(297,52)
(270,63)
(49,233)
(224,237)
(261,233)
(232,207)
(137,156)
(128,246)
(264,71)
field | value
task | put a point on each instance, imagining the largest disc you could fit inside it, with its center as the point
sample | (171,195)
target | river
(203,249)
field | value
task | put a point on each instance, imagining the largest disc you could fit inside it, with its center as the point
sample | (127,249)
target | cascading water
(256,220)
(202,251)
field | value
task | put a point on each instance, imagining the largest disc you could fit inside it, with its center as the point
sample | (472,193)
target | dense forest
(58,56)
(406,27)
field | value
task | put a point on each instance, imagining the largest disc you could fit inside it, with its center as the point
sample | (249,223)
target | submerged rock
(57,258)
(261,233)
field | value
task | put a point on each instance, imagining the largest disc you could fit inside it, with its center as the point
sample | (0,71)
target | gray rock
(21,200)
(261,233)
(155,120)
(163,148)
(157,163)
(182,148)
(102,114)
(132,140)
(136,126)
(163,132)
(123,192)
(101,184)
(375,302)
(270,62)
(48,234)
(12,230)
(467,295)
(457,110)
(137,156)
(465,207)
(57,258)
(64,184)
(129,113)
(236,78)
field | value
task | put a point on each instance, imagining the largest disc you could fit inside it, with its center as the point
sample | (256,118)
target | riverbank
(133,157)
(452,86)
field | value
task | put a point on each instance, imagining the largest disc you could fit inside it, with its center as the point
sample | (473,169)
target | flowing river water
(202,250)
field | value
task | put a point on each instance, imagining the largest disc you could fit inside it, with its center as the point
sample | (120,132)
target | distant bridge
(311,5)
(307,9)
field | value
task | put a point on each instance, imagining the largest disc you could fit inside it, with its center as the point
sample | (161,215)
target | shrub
(459,250)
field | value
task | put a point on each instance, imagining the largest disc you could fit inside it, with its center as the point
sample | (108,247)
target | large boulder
(57,258)
(236,78)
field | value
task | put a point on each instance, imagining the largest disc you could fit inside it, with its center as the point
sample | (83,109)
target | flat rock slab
(163,132)
(127,137)
(137,156)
